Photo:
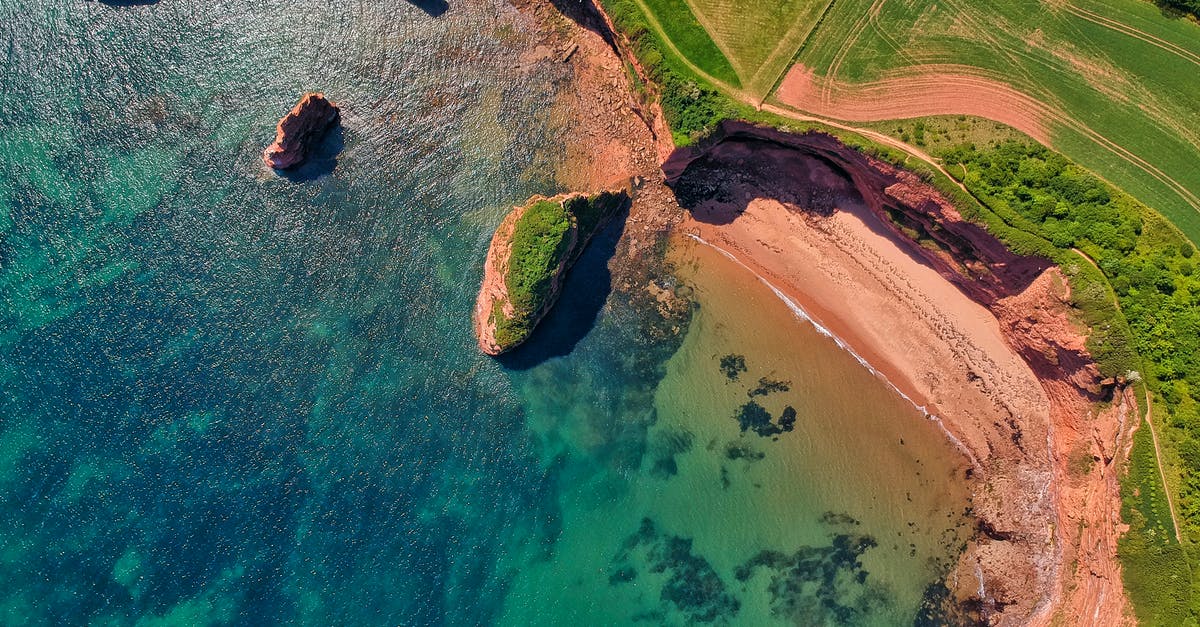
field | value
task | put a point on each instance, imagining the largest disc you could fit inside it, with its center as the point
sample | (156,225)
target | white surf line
(803,314)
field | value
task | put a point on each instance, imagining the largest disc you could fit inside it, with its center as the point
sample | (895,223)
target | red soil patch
(929,90)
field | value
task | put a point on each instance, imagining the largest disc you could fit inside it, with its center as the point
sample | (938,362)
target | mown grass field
(1116,75)
(759,38)
(1114,80)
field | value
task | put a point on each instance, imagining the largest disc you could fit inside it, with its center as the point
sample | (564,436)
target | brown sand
(936,345)
(945,351)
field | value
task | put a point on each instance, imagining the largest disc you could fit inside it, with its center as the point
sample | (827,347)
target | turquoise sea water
(232,397)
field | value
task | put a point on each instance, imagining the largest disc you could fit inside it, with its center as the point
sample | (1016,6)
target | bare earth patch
(930,90)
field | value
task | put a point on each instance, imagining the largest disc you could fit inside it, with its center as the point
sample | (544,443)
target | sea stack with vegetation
(530,254)
(301,129)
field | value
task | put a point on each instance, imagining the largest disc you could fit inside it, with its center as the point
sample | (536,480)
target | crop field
(1110,83)
(759,38)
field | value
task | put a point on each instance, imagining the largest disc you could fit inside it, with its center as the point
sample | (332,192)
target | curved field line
(656,26)
(708,27)
(1161,473)
(1126,29)
(917,92)
(855,32)
(873,17)
(1145,166)
(791,51)
(935,90)
(984,33)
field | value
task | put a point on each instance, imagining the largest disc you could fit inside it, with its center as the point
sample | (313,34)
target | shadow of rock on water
(587,287)
(321,160)
(434,8)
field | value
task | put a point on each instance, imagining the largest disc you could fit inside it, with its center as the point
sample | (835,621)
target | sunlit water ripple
(229,396)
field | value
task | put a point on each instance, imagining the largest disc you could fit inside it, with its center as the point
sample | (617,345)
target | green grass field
(1113,80)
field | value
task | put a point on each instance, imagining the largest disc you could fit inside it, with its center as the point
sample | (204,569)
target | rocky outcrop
(506,313)
(301,129)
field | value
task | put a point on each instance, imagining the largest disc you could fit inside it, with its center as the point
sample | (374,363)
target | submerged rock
(301,129)
(529,256)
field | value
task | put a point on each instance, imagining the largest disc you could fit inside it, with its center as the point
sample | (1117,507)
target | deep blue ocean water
(228,396)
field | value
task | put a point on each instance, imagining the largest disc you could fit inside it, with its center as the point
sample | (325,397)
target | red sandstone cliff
(300,130)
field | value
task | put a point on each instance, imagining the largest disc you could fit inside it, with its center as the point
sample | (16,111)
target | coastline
(848,340)
(985,363)
(981,337)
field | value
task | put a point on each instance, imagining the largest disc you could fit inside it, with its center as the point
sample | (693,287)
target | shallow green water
(231,397)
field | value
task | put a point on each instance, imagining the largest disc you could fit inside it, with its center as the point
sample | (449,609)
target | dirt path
(1149,422)
(1161,473)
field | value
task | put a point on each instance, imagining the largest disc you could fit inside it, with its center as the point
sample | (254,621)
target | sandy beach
(940,349)
(1004,371)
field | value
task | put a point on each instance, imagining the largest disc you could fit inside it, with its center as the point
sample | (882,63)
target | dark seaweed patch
(692,585)
(738,450)
(834,518)
(666,445)
(754,417)
(769,386)
(733,365)
(664,468)
(787,420)
(624,574)
(938,607)
(820,585)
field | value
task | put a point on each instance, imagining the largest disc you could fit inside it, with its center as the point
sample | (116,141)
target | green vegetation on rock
(541,239)
(547,238)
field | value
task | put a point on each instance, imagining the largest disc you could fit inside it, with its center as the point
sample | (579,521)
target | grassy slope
(1127,90)
(687,33)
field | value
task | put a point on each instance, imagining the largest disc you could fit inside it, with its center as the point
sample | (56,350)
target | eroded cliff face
(1025,563)
(966,254)
(300,130)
